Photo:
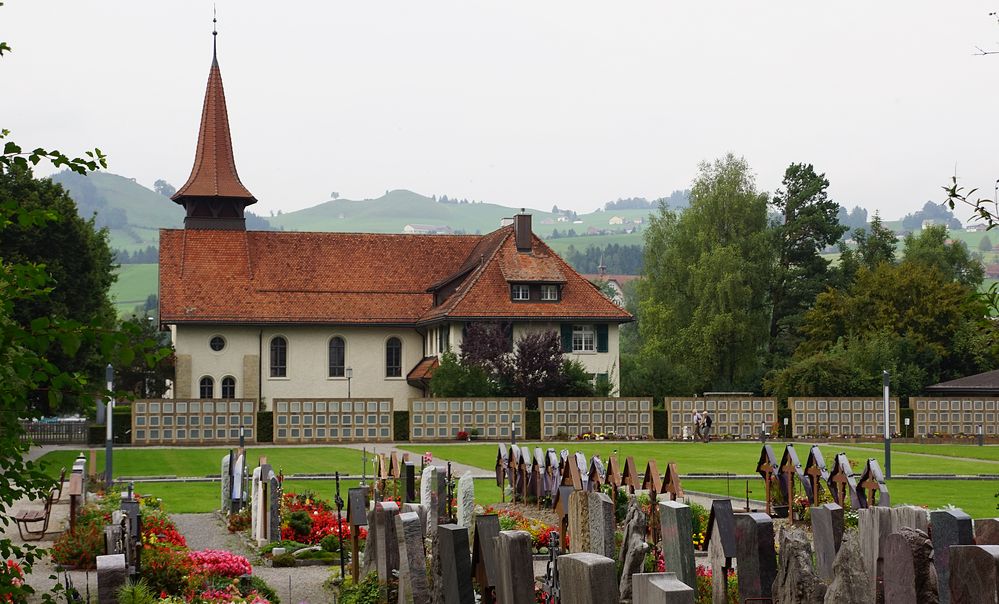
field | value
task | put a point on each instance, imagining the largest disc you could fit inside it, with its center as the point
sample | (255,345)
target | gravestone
(484,566)
(850,584)
(595,476)
(428,497)
(827,534)
(273,508)
(236,492)
(910,516)
(413,588)
(661,588)
(226,473)
(441,498)
(466,500)
(409,479)
(949,527)
(633,546)
(974,574)
(874,525)
(387,543)
(515,568)
(676,526)
(754,537)
(456,564)
(871,487)
(796,582)
(721,547)
(111,575)
(419,510)
(501,463)
(909,574)
(587,578)
(591,523)
(987,531)
(255,509)
(843,482)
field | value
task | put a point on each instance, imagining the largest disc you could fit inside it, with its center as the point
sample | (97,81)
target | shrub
(287,544)
(253,583)
(462,435)
(136,592)
(166,569)
(400,425)
(219,563)
(330,543)
(283,561)
(364,592)
(240,521)
(12,587)
(301,524)
(80,548)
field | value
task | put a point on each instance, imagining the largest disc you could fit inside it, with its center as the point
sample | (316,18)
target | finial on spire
(215,32)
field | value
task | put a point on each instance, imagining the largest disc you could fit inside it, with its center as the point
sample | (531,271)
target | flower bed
(512,520)
(307,519)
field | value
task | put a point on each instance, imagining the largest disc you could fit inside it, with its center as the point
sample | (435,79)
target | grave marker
(409,480)
(595,475)
(818,475)
(827,534)
(790,469)
(974,574)
(871,484)
(466,500)
(111,576)
(843,483)
(516,568)
(721,547)
(987,531)
(948,527)
(587,578)
(413,588)
(671,483)
(676,524)
(591,523)
(456,564)
(768,468)
(874,525)
(357,516)
(909,574)
(484,565)
(754,538)
(661,588)
(629,478)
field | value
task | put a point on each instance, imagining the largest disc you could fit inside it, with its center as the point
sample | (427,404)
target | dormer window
(520,291)
(549,293)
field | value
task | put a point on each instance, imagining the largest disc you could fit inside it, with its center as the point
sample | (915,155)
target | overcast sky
(519,103)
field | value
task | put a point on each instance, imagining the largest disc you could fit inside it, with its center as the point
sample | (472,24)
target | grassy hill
(135,283)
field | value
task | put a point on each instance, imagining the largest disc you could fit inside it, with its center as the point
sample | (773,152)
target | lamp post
(349,372)
(108,439)
(886,382)
(907,426)
(513,433)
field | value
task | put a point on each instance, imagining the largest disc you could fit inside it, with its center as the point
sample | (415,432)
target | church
(264,315)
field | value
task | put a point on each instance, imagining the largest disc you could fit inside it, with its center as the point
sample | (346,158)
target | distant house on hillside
(975,228)
(427,229)
(929,222)
(992,271)
(616,220)
(614,282)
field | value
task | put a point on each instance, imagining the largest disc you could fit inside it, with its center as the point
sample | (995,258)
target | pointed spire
(214,190)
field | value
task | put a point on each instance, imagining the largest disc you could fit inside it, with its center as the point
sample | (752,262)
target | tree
(937,213)
(453,378)
(808,225)
(138,378)
(985,245)
(706,275)
(164,188)
(852,219)
(488,345)
(873,248)
(77,259)
(932,248)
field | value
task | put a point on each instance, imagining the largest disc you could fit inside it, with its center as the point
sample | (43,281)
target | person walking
(706,426)
(697,425)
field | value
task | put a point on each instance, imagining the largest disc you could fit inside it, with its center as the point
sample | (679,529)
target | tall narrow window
(279,357)
(393,358)
(207,387)
(337,356)
(228,387)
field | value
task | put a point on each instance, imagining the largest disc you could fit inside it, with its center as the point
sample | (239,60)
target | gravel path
(293,585)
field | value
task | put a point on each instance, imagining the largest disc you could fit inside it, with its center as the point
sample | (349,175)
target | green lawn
(697,458)
(197,497)
(207,461)
(988,452)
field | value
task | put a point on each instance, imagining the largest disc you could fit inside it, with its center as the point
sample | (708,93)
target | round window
(217,343)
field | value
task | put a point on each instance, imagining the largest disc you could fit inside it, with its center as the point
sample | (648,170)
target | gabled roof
(254,277)
(981,383)
(214,172)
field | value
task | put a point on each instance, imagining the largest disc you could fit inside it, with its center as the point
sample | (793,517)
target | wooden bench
(25,519)
(58,490)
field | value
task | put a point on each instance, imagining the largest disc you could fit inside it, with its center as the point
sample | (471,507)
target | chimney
(522,231)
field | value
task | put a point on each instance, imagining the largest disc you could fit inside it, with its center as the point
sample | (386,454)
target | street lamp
(349,372)
(109,413)
(886,382)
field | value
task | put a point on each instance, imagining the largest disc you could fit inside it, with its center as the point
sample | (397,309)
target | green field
(135,283)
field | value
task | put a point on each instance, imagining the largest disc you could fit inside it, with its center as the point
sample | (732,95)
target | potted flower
(463,435)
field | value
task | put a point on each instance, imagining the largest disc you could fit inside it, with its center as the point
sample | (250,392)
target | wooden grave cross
(652,484)
(815,469)
(768,468)
(596,474)
(843,483)
(872,482)
(395,472)
(629,478)
(571,481)
(501,468)
(671,483)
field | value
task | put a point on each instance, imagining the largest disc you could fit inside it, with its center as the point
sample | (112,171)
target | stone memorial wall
(165,421)
(332,420)
(443,419)
(735,415)
(574,416)
(949,416)
(842,416)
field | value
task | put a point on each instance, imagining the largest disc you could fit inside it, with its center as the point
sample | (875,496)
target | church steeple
(213,195)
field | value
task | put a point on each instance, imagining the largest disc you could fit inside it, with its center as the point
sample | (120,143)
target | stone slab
(974,574)
(456,564)
(466,500)
(757,558)
(516,568)
(587,578)
(987,531)
(661,588)
(111,575)
(676,527)
(909,574)
(948,527)
(413,587)
(827,534)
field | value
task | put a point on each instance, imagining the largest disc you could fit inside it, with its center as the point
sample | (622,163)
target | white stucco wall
(307,362)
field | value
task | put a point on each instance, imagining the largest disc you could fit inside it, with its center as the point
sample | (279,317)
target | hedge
(659,425)
(532,427)
(400,421)
(265,427)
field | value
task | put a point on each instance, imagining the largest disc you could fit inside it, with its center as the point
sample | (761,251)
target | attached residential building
(266,314)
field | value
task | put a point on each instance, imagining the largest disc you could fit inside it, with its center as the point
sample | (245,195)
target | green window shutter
(602,338)
(567,337)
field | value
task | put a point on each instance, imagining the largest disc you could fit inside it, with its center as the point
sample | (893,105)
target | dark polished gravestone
(484,566)
(456,564)
(987,531)
(409,479)
(754,538)
(676,526)
(909,574)
(947,528)
(974,574)
(827,534)
(587,578)
(515,568)
(721,547)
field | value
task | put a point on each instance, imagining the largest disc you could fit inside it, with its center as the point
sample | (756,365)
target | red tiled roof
(214,172)
(424,370)
(357,278)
